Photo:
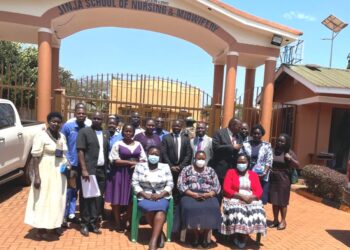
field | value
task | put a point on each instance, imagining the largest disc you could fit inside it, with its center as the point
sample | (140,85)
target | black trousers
(92,208)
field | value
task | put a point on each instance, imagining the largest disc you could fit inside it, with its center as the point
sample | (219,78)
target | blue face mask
(153,159)
(241,167)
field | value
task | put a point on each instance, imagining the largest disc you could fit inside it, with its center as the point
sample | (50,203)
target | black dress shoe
(205,243)
(94,229)
(84,231)
(120,228)
(58,231)
(195,243)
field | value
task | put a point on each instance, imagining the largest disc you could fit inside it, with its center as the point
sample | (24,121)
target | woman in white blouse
(152,182)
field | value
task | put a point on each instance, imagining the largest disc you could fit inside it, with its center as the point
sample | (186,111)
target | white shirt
(230,134)
(87,121)
(178,146)
(101,158)
(139,130)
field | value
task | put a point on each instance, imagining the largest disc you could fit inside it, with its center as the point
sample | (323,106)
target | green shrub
(324,182)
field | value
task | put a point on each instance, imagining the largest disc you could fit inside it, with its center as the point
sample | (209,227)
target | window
(7,116)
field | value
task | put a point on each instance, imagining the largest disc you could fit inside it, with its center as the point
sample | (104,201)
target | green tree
(19,66)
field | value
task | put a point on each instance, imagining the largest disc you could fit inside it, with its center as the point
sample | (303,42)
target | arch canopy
(215,27)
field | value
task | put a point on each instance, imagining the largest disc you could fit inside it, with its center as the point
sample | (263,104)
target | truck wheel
(26,178)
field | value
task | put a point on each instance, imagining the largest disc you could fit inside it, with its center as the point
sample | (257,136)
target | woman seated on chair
(152,183)
(199,207)
(243,211)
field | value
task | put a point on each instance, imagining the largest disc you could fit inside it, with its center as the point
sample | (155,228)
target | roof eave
(251,20)
(310,85)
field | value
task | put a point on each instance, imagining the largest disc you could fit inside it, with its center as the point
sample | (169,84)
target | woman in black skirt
(283,160)
(199,206)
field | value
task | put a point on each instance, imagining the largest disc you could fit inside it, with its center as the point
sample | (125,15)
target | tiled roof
(323,77)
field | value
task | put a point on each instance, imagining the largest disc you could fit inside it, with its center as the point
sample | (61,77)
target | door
(339,141)
(11,140)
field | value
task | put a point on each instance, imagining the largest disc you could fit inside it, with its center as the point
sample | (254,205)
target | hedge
(324,182)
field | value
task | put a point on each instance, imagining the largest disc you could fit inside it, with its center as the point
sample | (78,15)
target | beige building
(154,97)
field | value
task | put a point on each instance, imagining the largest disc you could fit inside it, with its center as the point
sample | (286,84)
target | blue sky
(117,50)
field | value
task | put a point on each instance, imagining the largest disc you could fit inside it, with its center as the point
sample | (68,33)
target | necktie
(176,142)
(199,145)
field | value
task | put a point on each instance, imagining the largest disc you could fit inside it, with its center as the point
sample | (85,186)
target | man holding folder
(92,146)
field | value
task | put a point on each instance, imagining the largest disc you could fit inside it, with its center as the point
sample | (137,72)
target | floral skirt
(239,217)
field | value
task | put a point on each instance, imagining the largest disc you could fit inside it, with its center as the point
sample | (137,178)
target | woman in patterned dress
(199,206)
(124,155)
(152,182)
(243,211)
(261,157)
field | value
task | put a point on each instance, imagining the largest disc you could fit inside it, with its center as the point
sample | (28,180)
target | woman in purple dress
(124,155)
(148,138)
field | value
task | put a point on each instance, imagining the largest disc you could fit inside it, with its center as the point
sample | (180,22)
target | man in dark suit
(92,146)
(176,151)
(227,143)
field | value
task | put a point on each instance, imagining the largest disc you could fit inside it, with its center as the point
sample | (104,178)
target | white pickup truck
(16,138)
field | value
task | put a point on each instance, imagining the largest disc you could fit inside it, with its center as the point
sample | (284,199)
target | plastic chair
(137,214)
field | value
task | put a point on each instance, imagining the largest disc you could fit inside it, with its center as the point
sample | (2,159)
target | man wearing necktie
(176,151)
(202,142)
(227,143)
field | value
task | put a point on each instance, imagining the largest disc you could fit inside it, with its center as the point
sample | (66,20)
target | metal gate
(18,88)
(151,96)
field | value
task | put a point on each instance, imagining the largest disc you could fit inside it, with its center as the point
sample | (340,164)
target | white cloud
(298,15)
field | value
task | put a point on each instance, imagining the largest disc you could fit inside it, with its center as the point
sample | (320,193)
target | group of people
(235,168)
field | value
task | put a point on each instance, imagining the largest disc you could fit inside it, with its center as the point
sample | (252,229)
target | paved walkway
(311,225)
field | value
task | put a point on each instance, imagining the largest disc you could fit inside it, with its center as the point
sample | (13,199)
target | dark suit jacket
(225,156)
(88,142)
(169,155)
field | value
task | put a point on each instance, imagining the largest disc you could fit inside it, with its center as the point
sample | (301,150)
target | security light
(277,40)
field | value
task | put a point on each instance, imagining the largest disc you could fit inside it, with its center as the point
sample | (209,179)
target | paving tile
(310,225)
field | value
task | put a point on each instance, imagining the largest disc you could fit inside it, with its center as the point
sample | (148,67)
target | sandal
(282,226)
(274,224)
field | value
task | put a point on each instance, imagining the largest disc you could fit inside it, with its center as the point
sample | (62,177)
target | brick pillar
(267,100)
(55,75)
(248,95)
(230,87)
(218,83)
(44,74)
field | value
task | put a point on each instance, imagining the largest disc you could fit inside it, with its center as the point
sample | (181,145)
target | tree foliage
(19,62)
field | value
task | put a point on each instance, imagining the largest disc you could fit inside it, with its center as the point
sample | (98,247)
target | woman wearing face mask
(199,207)
(152,182)
(243,212)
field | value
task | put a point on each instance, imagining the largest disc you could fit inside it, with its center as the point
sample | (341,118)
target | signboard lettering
(155,6)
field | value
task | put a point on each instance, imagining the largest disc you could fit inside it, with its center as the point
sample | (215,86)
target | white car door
(11,139)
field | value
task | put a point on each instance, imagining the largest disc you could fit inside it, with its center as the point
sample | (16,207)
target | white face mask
(200,163)
(241,167)
(153,159)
